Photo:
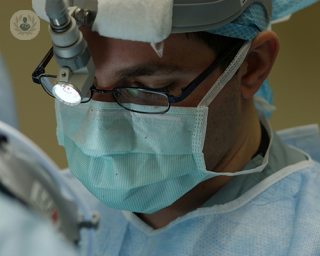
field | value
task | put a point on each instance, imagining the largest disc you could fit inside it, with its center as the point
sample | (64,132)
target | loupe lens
(67,94)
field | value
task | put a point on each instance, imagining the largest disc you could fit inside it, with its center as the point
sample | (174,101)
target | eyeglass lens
(141,100)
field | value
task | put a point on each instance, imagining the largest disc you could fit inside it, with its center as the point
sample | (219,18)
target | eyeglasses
(140,100)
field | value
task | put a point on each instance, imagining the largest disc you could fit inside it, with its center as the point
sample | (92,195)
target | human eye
(169,88)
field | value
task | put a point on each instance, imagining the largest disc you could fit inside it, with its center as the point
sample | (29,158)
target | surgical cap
(255,19)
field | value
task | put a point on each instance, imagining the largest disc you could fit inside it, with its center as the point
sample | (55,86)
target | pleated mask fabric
(131,161)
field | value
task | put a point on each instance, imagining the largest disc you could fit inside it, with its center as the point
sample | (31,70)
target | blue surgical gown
(278,216)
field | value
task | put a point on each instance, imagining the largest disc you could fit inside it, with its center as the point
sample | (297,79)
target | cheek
(222,125)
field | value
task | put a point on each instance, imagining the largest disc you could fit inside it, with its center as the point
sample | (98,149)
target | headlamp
(72,54)
(72,88)
(188,15)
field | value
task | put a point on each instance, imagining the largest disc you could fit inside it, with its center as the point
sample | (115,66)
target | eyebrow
(150,69)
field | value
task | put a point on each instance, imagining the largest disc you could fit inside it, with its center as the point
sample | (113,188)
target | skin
(233,130)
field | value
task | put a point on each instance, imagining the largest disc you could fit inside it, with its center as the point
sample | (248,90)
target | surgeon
(173,148)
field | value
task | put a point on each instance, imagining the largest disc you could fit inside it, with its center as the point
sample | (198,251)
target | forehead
(178,49)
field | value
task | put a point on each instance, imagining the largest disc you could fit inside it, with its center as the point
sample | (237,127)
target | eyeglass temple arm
(40,69)
(194,84)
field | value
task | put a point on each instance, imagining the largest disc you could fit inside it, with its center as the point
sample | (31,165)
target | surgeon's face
(127,63)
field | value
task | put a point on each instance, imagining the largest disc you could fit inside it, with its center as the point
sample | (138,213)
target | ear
(258,63)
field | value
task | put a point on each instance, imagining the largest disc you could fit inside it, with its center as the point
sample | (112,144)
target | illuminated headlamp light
(67,93)
(72,88)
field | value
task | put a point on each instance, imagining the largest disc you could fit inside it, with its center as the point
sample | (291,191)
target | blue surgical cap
(255,20)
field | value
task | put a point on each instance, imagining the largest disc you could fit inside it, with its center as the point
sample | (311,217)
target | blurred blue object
(8,112)
(282,8)
(24,232)
(305,138)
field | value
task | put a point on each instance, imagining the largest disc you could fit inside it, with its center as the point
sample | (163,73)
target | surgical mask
(139,162)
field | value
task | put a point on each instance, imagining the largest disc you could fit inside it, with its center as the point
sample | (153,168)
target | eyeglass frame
(186,91)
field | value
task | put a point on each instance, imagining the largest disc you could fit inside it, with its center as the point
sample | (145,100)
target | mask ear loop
(226,75)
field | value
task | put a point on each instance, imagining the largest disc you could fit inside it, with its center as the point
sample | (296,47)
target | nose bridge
(105,97)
